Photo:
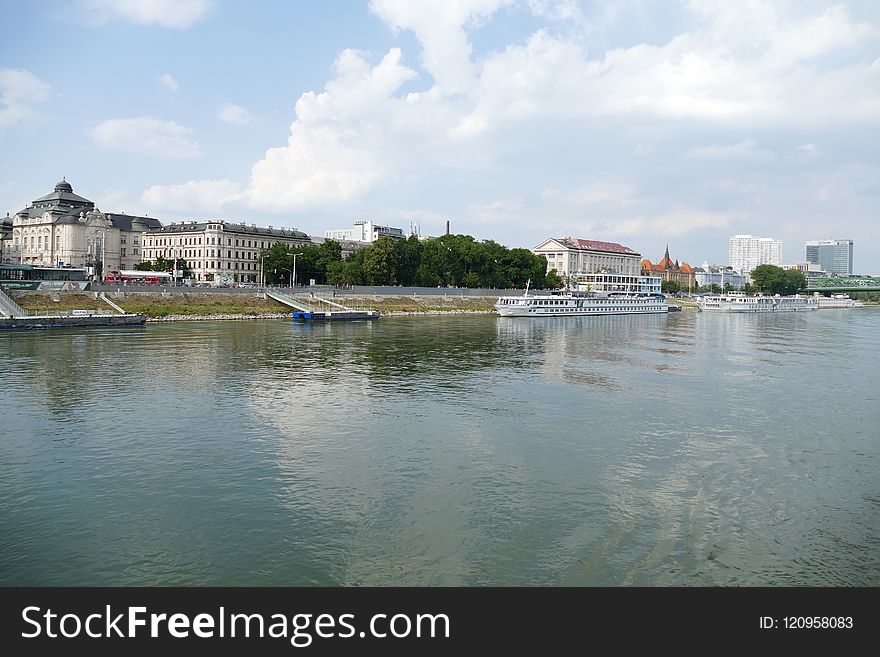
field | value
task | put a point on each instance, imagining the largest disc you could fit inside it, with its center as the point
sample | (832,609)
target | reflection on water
(689,449)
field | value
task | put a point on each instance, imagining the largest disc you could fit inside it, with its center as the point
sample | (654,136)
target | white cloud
(808,151)
(744,150)
(145,135)
(178,14)
(676,223)
(441,30)
(196,196)
(20,90)
(169,82)
(338,144)
(512,134)
(234,114)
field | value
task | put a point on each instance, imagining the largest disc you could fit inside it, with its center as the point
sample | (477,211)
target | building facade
(832,256)
(364,231)
(723,277)
(218,252)
(571,257)
(64,229)
(748,252)
(668,270)
(604,282)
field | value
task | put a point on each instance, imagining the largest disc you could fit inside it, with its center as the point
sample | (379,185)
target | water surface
(688,449)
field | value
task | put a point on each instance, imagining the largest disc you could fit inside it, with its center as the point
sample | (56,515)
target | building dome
(64,186)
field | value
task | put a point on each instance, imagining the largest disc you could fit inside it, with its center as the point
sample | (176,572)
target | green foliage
(670,287)
(449,260)
(771,279)
(380,262)
(552,279)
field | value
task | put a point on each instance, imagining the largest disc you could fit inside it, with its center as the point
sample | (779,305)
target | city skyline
(514,120)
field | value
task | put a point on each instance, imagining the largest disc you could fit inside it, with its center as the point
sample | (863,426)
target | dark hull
(90,321)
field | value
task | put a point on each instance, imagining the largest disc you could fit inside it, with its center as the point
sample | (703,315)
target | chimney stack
(447,226)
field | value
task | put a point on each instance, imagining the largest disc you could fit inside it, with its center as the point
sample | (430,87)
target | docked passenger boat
(752,303)
(573,304)
(838,301)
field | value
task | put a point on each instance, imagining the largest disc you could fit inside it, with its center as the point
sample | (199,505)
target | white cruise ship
(747,303)
(838,301)
(574,304)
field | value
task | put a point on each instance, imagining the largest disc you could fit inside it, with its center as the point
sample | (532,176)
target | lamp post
(293,273)
(262,271)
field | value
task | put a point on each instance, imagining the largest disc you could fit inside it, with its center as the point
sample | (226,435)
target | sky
(640,122)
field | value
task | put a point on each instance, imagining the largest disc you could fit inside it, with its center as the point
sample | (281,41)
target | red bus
(135,277)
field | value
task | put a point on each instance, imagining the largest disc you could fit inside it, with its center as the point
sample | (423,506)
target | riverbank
(194,306)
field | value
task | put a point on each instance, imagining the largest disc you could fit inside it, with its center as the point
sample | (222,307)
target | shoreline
(244,317)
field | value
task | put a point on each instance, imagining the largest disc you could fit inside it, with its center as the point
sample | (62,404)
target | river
(691,449)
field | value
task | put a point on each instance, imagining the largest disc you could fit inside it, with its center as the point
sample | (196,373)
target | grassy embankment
(190,304)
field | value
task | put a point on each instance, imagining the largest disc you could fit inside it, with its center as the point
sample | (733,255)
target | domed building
(668,270)
(63,229)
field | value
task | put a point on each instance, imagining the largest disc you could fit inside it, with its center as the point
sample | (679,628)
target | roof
(594,245)
(124,221)
(64,197)
(612,247)
(229,227)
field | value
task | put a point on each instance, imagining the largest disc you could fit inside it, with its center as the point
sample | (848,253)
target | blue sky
(638,122)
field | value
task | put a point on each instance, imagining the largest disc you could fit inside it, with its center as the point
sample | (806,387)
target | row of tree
(446,261)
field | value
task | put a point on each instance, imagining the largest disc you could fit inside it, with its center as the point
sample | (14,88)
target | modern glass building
(832,256)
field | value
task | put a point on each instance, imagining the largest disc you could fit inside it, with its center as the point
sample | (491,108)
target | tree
(771,279)
(552,279)
(793,281)
(670,287)
(408,253)
(380,262)
(768,278)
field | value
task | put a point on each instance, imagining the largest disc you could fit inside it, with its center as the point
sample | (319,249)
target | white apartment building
(364,231)
(720,276)
(64,229)
(571,256)
(747,252)
(218,251)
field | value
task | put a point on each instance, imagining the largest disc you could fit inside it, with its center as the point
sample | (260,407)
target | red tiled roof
(646,264)
(685,267)
(595,245)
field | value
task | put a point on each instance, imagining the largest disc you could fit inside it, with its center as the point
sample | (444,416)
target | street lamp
(293,273)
